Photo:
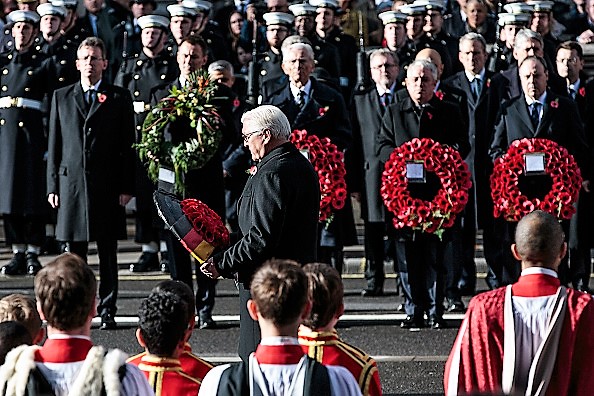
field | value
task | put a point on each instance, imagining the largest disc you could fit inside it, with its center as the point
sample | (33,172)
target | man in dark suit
(370,106)
(570,66)
(140,73)
(278,211)
(205,183)
(90,171)
(422,114)
(473,81)
(539,113)
(320,110)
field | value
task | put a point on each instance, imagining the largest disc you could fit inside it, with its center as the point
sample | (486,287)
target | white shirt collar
(295,90)
(382,91)
(87,87)
(471,76)
(539,270)
(575,85)
(542,99)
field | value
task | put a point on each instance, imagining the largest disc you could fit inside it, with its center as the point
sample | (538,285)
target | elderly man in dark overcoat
(90,174)
(421,114)
(369,108)
(278,211)
(319,109)
(26,78)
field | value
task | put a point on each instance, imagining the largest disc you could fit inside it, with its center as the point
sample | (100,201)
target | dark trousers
(403,282)
(249,329)
(107,249)
(24,229)
(146,227)
(180,264)
(374,254)
(426,274)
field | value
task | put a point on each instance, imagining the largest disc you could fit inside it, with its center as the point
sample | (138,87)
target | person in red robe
(533,337)
(318,337)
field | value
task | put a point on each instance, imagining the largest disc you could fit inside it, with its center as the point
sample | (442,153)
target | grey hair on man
(425,64)
(384,52)
(219,66)
(294,39)
(525,35)
(270,118)
(303,46)
(472,36)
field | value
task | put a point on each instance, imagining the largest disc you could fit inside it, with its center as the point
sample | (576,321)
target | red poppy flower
(582,92)
(555,103)
(439,93)
(206,222)
(508,199)
(454,178)
(101,97)
(328,162)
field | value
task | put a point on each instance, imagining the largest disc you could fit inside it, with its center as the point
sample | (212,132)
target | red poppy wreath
(328,163)
(430,216)
(566,180)
(208,227)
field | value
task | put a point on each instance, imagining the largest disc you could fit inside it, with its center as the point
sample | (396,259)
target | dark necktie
(386,99)
(301,99)
(571,91)
(91,96)
(535,114)
(476,88)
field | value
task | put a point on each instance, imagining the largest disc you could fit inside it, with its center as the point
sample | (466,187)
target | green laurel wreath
(193,102)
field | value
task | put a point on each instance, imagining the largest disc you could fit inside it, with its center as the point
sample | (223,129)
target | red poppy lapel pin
(101,97)
(439,93)
(555,103)
(323,110)
(582,92)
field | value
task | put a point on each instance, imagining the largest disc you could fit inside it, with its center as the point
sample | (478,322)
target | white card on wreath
(534,163)
(415,172)
(166,175)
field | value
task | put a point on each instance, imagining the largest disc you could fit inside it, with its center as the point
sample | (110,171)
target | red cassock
(166,375)
(481,340)
(328,349)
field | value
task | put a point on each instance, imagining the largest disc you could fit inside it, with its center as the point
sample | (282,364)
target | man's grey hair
(268,117)
(298,46)
(425,64)
(525,35)
(384,52)
(473,37)
(220,65)
(294,39)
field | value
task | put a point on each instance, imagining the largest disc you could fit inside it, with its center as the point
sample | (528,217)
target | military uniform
(25,80)
(63,53)
(328,349)
(218,49)
(270,67)
(166,376)
(347,50)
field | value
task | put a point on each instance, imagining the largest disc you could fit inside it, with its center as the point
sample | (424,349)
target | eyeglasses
(247,136)
(569,61)
(386,65)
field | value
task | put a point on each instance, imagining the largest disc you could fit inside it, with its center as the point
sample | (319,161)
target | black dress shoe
(33,264)
(455,305)
(372,292)
(147,262)
(206,322)
(412,322)
(16,266)
(436,322)
(165,263)
(108,321)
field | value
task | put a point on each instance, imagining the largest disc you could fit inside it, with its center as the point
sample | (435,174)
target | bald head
(432,56)
(539,241)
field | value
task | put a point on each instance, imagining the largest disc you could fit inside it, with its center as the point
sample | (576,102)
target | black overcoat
(278,215)
(91,161)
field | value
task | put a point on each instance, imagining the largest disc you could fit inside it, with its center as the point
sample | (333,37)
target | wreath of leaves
(193,102)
